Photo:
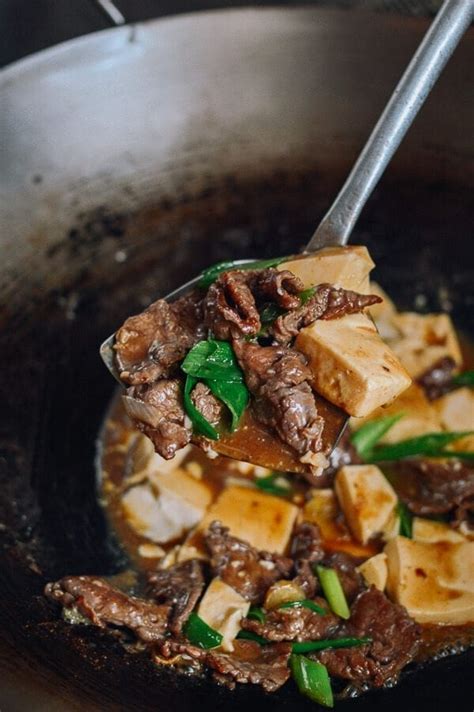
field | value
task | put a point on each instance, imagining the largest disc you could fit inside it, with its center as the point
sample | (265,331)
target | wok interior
(55,390)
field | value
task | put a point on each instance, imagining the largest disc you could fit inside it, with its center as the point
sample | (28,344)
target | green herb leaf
(306,295)
(200,424)
(312,680)
(249,635)
(212,360)
(333,591)
(431,445)
(234,395)
(464,379)
(309,646)
(256,613)
(199,633)
(271,486)
(209,275)
(460,454)
(368,435)
(304,604)
(406,519)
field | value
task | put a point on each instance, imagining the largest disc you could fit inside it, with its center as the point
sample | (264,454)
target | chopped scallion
(272,484)
(312,680)
(256,613)
(430,445)
(333,591)
(464,379)
(209,275)
(249,635)
(406,519)
(304,604)
(199,633)
(368,435)
(310,646)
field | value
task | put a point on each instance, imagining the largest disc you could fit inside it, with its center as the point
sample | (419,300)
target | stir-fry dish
(337,571)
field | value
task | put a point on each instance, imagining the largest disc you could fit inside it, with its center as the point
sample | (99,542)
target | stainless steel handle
(111,11)
(448,27)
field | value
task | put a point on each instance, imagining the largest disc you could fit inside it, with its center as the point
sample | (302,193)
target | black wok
(132,158)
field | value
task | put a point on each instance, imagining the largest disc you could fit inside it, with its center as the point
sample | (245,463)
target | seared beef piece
(206,403)
(438,379)
(171,432)
(395,641)
(436,487)
(306,550)
(283,399)
(279,286)
(240,565)
(265,665)
(179,586)
(295,624)
(171,647)
(106,606)
(149,344)
(230,305)
(327,302)
(351,580)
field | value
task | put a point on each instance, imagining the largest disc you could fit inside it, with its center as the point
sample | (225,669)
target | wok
(130,159)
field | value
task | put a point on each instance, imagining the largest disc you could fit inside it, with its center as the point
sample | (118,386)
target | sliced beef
(171,647)
(395,641)
(169,431)
(207,404)
(150,344)
(346,566)
(240,565)
(106,606)
(232,303)
(436,487)
(249,662)
(438,379)
(296,623)
(306,550)
(180,586)
(278,378)
(327,302)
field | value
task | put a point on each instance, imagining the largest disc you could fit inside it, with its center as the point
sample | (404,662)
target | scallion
(250,635)
(368,435)
(311,646)
(430,445)
(464,379)
(406,520)
(306,295)
(312,680)
(209,275)
(199,633)
(304,604)
(271,484)
(256,613)
(333,591)
(214,360)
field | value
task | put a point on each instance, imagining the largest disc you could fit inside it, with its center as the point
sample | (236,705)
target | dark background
(27,26)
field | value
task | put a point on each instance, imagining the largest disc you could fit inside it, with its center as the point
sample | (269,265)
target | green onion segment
(309,646)
(209,275)
(368,435)
(250,635)
(333,591)
(200,634)
(304,604)
(312,680)
(256,613)
(406,519)
(430,445)
(270,486)
(464,379)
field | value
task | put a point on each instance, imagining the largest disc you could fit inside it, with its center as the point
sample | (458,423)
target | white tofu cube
(175,504)
(375,571)
(423,340)
(347,267)
(433,581)
(264,521)
(351,366)
(222,608)
(367,499)
(456,409)
(419,416)
(429,531)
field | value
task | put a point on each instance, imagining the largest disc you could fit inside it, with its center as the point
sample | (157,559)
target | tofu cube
(266,522)
(367,499)
(163,512)
(347,267)
(429,531)
(375,571)
(432,580)
(456,409)
(423,340)
(222,608)
(351,366)
(419,416)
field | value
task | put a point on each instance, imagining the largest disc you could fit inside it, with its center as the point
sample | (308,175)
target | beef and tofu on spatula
(262,361)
